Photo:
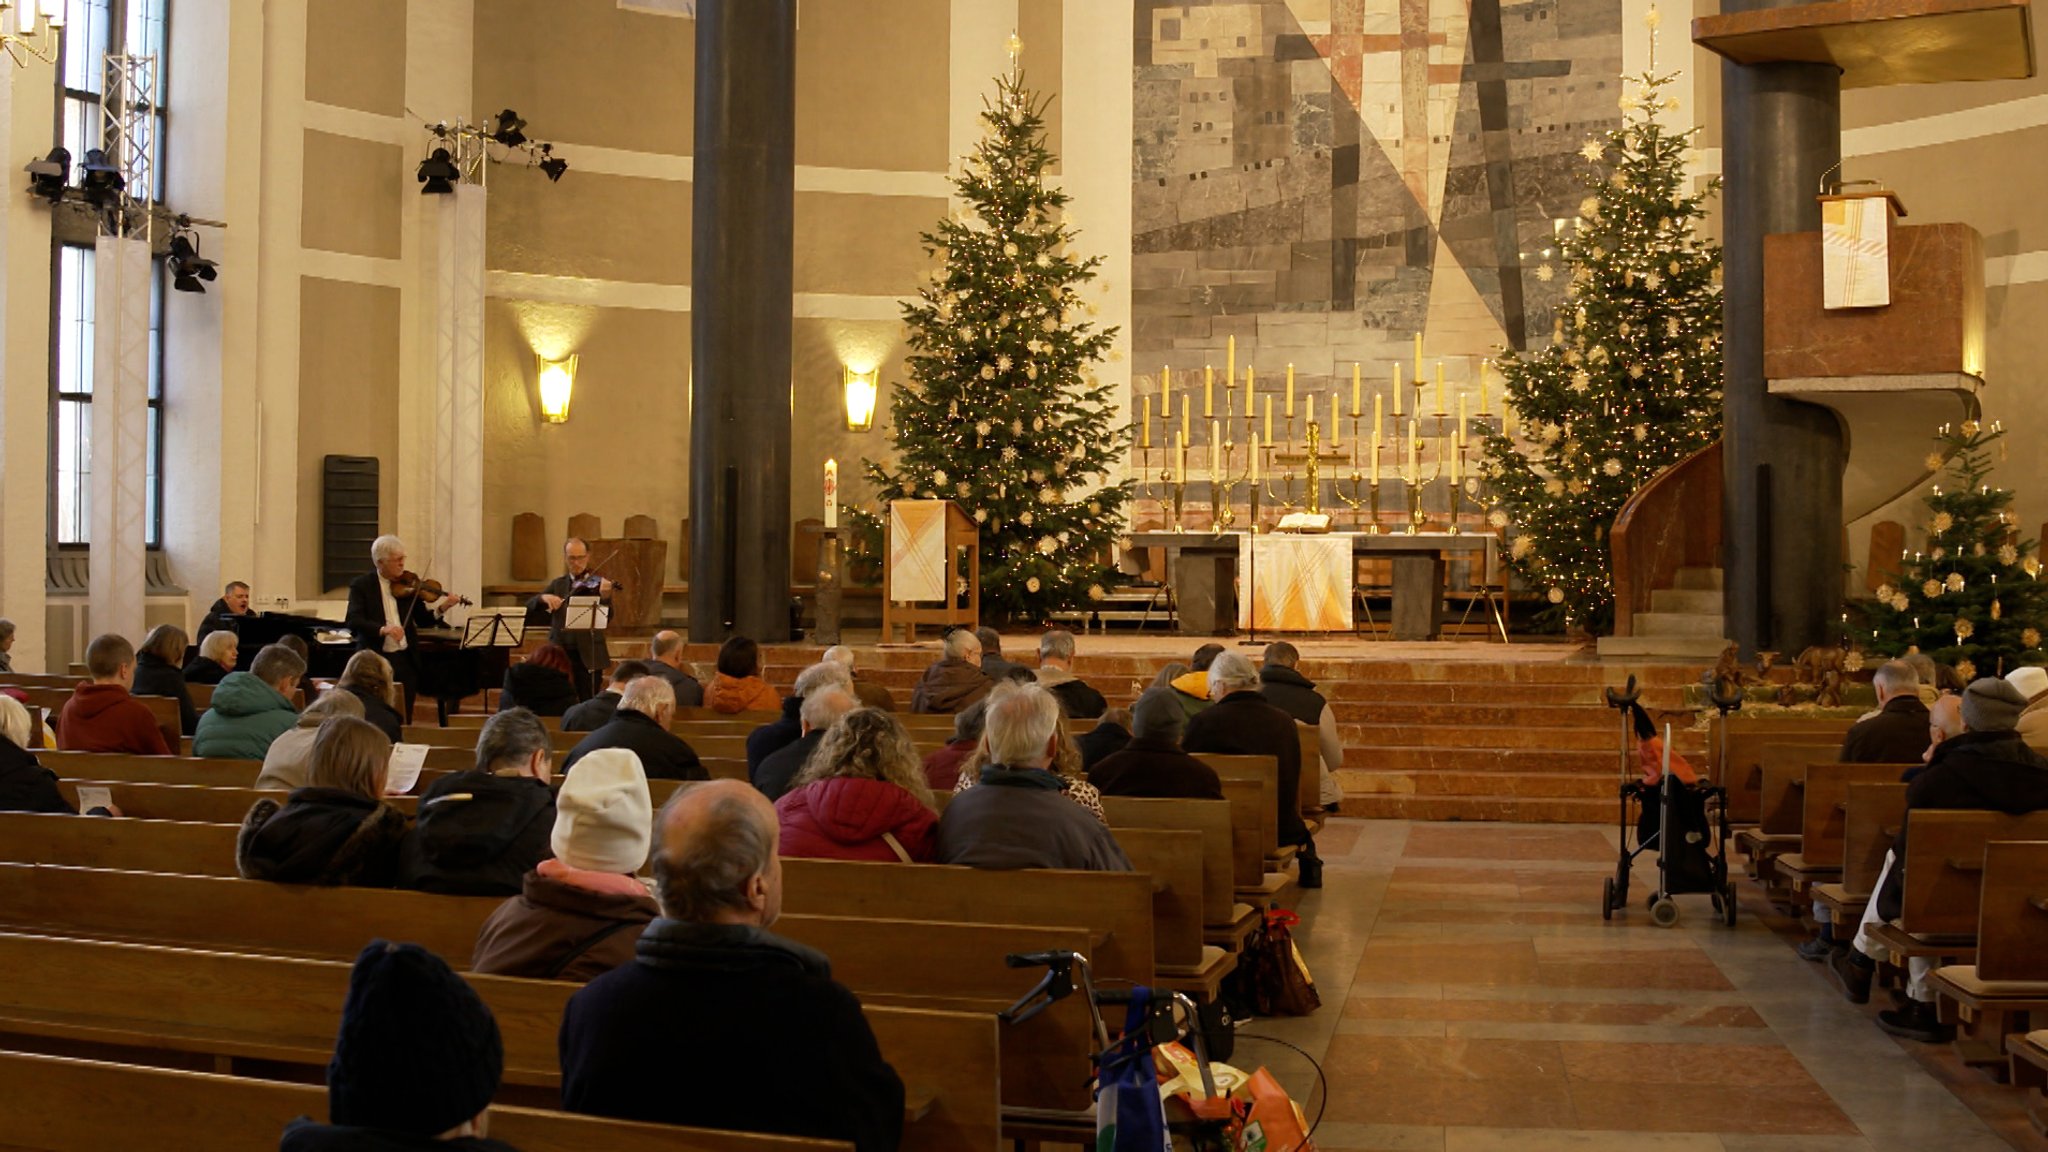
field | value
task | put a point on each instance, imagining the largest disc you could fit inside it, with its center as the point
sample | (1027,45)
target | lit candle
(1255,458)
(1336,424)
(1230,365)
(1377,417)
(1145,426)
(831,493)
(1356,409)
(1290,391)
(1208,391)
(1418,357)
(1397,395)
(1166,392)
(1439,387)
(1269,419)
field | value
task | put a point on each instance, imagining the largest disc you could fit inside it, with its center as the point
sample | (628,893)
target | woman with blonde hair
(368,677)
(337,830)
(160,671)
(861,796)
(289,762)
(25,785)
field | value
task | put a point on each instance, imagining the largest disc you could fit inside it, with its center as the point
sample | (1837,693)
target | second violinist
(587,652)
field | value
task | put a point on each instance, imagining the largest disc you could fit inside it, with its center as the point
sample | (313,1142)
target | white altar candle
(1146,425)
(1290,391)
(1166,392)
(1356,409)
(1255,458)
(831,493)
(1208,391)
(1397,396)
(1215,445)
(1378,418)
(1230,365)
(1336,425)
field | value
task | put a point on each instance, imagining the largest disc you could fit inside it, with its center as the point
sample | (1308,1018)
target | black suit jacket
(589,647)
(1246,724)
(366,614)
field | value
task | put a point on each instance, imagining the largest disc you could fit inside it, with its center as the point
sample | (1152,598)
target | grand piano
(448,671)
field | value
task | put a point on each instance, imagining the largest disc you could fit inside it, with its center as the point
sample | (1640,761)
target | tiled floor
(1474,999)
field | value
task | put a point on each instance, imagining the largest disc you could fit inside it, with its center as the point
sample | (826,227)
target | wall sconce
(557,383)
(862,387)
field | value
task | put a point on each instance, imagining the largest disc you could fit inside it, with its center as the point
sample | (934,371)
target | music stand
(585,614)
(506,629)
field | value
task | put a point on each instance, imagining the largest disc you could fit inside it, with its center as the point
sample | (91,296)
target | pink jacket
(843,818)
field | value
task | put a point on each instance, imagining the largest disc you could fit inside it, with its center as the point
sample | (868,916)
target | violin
(410,584)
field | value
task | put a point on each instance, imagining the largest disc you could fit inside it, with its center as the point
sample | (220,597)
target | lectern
(923,542)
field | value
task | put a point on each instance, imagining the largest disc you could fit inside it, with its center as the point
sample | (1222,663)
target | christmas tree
(1971,598)
(1003,412)
(1631,382)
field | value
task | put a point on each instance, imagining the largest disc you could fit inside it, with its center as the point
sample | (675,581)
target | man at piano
(587,651)
(387,620)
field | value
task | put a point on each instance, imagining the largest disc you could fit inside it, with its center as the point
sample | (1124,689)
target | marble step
(1701,601)
(1511,737)
(1506,809)
(1591,761)
(1547,785)
(1350,693)
(1705,648)
(1361,714)
(1698,579)
(1680,623)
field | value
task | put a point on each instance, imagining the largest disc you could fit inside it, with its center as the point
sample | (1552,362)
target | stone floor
(1474,999)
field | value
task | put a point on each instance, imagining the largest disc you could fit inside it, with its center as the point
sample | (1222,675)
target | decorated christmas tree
(1003,412)
(1631,380)
(1972,596)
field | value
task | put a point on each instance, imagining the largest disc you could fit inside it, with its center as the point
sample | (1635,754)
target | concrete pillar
(119,487)
(740,328)
(25,112)
(1782,486)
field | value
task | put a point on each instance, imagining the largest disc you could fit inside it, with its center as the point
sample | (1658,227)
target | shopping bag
(1130,1114)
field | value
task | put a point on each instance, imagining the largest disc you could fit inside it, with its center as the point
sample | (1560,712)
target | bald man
(716,1002)
(665,659)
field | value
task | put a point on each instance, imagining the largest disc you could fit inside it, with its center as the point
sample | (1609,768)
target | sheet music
(495,628)
(585,614)
(406,762)
(90,797)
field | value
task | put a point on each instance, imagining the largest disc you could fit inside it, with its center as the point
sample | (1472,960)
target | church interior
(741,574)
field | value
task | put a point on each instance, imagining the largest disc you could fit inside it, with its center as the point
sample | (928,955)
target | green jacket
(246,716)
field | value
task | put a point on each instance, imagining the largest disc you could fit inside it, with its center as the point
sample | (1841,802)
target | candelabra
(1223,479)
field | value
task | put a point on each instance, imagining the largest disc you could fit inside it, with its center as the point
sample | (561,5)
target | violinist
(587,652)
(387,607)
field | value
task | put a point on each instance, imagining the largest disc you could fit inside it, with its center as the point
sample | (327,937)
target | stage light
(190,272)
(437,171)
(557,388)
(507,130)
(552,164)
(48,176)
(100,180)
(861,387)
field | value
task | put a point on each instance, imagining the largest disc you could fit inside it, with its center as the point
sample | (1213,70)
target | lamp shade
(557,385)
(861,392)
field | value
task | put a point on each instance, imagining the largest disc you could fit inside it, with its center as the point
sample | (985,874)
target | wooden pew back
(1782,795)
(1247,802)
(1173,859)
(1211,818)
(55,1104)
(1870,824)
(1945,866)
(2012,916)
(1742,774)
(1824,817)
(1266,771)
(192,802)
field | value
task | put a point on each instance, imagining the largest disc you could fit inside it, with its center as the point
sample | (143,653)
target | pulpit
(932,552)
(637,565)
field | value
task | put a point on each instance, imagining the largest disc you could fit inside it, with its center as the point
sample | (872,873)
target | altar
(1306,583)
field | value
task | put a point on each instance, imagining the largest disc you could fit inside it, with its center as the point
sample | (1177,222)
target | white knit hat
(604,817)
(2031,681)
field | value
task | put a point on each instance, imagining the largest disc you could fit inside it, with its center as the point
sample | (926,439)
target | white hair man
(822,706)
(665,659)
(869,693)
(1016,815)
(386,622)
(1056,673)
(640,723)
(711,967)
(956,680)
(1897,732)
(1241,722)
(788,728)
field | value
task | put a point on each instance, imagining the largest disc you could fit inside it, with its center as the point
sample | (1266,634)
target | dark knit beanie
(418,1051)
(1992,705)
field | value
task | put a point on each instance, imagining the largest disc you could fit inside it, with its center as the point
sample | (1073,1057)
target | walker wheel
(1728,906)
(1607,898)
(1664,913)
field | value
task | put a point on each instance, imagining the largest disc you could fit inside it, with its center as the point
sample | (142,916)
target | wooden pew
(191,802)
(177,847)
(1747,735)
(162,709)
(1226,922)
(2029,1070)
(2007,988)
(1172,857)
(1824,795)
(1276,865)
(1944,882)
(209,772)
(54,1104)
(249,1013)
(1871,818)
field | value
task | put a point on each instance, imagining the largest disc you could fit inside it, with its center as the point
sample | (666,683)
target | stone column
(24,374)
(740,330)
(1782,485)
(457,554)
(119,486)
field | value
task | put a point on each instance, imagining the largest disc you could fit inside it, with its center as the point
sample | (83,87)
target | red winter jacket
(843,818)
(105,718)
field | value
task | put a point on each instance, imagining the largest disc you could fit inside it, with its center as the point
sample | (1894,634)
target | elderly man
(824,705)
(597,711)
(641,724)
(1017,816)
(714,999)
(956,680)
(480,831)
(1152,764)
(1987,768)
(251,709)
(387,623)
(784,730)
(1056,673)
(1897,732)
(1281,681)
(1241,722)
(870,694)
(234,601)
(665,659)
(102,716)
(993,665)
